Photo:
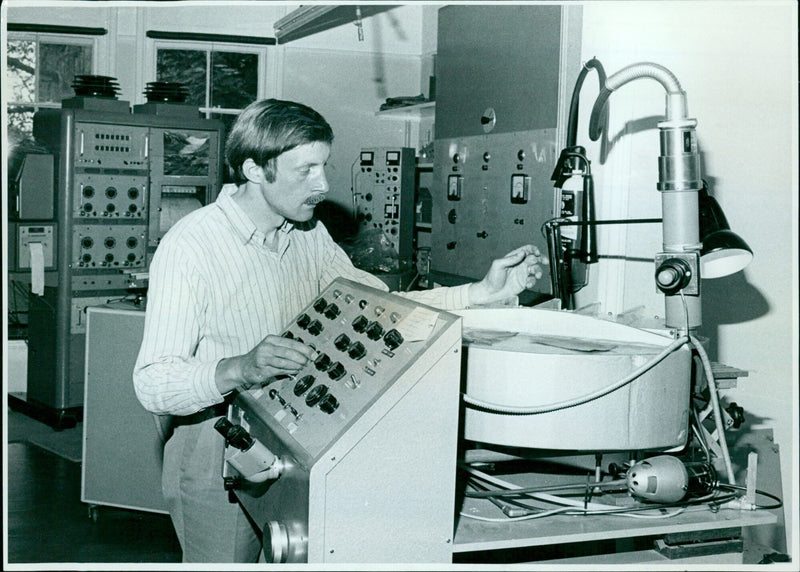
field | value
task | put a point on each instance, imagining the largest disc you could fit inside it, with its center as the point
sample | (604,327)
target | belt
(218,410)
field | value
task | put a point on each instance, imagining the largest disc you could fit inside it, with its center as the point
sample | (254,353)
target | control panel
(363,340)
(110,196)
(319,460)
(383,195)
(108,246)
(491,194)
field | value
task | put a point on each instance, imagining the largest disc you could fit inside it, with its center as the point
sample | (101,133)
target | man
(225,281)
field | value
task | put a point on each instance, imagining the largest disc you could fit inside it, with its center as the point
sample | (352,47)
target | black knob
(322,362)
(235,435)
(301,386)
(336,371)
(360,324)
(392,339)
(673,275)
(329,404)
(320,305)
(316,394)
(342,342)
(303,320)
(374,331)
(357,351)
(332,311)
(315,328)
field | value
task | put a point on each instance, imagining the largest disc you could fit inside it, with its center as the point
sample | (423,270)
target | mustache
(315,199)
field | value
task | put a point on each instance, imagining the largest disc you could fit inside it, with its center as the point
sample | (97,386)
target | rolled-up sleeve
(167,376)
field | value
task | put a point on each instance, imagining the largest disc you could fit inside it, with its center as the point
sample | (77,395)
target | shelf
(409,112)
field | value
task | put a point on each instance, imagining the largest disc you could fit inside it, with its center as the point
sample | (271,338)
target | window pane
(21,71)
(58,66)
(20,124)
(187,67)
(234,79)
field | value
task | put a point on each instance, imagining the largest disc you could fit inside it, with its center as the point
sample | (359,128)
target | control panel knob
(342,342)
(320,305)
(393,339)
(336,371)
(357,351)
(332,311)
(303,320)
(315,328)
(323,362)
(302,386)
(374,331)
(329,404)
(316,394)
(360,324)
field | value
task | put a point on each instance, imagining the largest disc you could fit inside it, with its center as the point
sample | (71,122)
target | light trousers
(210,528)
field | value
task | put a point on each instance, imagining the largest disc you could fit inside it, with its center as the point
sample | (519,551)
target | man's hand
(508,276)
(274,355)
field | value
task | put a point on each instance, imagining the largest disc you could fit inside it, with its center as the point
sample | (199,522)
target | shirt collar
(241,223)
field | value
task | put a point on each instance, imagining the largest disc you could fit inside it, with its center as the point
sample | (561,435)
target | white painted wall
(737,62)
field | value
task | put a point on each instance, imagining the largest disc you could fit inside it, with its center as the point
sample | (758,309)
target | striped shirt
(216,290)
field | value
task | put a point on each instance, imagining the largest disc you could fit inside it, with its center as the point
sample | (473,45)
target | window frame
(265,72)
(50,38)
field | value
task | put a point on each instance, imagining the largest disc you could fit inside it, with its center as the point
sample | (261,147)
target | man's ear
(252,172)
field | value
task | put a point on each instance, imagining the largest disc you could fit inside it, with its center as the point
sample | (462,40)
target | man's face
(300,182)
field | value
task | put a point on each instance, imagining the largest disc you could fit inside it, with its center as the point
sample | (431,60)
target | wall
(347,80)
(737,63)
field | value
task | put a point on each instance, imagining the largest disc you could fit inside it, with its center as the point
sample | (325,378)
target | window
(40,71)
(221,82)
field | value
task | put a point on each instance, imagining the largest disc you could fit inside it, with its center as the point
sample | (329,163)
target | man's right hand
(274,355)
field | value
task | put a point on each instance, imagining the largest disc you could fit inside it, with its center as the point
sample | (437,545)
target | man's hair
(269,127)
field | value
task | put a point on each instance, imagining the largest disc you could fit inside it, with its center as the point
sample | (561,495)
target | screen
(186,153)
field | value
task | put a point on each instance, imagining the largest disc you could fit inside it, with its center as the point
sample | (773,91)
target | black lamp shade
(723,252)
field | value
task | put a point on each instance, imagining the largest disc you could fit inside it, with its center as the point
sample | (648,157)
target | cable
(712,390)
(776,498)
(578,507)
(539,409)
(528,490)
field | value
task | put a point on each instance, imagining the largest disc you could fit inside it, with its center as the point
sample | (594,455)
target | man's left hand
(508,276)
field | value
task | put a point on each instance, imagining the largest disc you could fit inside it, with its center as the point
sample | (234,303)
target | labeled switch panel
(356,332)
